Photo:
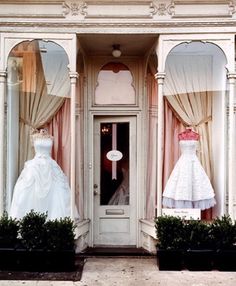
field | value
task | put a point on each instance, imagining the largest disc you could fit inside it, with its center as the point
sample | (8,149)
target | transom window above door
(114,85)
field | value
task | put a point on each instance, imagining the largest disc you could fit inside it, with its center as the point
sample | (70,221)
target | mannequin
(188,185)
(188,134)
(41,186)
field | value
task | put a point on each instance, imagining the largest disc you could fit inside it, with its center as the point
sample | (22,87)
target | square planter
(199,259)
(225,260)
(43,260)
(170,259)
(8,259)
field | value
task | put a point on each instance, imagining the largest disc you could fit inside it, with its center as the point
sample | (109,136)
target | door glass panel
(114,175)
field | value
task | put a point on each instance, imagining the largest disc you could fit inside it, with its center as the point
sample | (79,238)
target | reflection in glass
(114,174)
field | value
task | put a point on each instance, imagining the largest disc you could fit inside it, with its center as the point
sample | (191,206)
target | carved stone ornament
(232,7)
(74,8)
(162,9)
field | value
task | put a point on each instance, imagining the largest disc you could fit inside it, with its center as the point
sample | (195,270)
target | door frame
(89,169)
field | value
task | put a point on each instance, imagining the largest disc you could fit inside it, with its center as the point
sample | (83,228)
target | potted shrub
(199,253)
(170,236)
(33,241)
(223,232)
(8,238)
(60,244)
(9,228)
(46,245)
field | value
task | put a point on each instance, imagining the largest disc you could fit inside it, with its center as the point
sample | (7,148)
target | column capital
(231,76)
(160,76)
(74,74)
(3,74)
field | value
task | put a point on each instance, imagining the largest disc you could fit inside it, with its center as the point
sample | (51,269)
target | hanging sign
(114,155)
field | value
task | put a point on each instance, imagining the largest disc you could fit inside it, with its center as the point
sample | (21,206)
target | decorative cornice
(105,24)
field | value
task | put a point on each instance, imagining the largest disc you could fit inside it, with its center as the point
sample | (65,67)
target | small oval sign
(114,155)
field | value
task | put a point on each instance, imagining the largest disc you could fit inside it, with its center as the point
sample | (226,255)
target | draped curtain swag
(37,108)
(188,90)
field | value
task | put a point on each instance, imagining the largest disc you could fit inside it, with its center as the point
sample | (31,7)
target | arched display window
(38,90)
(194,97)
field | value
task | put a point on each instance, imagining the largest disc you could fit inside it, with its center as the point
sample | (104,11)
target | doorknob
(95,186)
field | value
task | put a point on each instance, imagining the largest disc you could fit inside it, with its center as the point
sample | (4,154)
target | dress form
(189,134)
(188,185)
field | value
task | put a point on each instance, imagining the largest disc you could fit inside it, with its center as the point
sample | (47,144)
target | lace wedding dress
(41,186)
(188,185)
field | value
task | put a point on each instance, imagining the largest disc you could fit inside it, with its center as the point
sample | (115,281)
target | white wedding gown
(41,186)
(188,185)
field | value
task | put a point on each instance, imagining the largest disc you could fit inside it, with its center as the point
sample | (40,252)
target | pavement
(106,271)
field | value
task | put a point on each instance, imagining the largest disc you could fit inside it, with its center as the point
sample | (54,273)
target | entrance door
(115,181)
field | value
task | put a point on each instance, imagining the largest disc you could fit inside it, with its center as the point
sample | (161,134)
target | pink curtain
(59,127)
(172,127)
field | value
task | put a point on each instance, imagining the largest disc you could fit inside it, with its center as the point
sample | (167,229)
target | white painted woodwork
(2,134)
(136,26)
(13,137)
(115,224)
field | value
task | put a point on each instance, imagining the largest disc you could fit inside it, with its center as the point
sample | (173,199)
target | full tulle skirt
(43,187)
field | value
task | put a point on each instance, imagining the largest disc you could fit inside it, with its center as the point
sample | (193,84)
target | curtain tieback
(26,122)
(204,120)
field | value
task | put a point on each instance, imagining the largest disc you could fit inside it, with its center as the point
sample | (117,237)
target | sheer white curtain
(188,89)
(55,67)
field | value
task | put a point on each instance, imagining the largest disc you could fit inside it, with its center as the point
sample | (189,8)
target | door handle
(95,192)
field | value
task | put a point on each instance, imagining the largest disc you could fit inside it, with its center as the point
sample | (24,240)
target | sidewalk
(135,272)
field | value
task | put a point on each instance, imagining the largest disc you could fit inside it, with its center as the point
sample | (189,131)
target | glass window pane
(114,174)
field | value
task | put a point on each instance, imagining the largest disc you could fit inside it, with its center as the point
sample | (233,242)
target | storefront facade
(115,115)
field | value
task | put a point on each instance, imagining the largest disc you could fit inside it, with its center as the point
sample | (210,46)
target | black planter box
(41,260)
(37,260)
(8,259)
(199,259)
(170,259)
(225,260)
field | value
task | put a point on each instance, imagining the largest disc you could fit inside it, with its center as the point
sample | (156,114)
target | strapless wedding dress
(42,186)
(188,185)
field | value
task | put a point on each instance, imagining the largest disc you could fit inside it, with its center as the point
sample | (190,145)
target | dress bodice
(43,146)
(188,146)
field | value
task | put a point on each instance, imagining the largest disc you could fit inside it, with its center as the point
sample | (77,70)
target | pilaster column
(2,111)
(73,79)
(231,145)
(160,76)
